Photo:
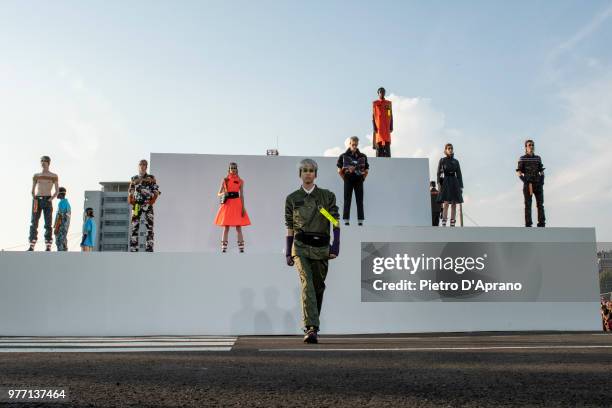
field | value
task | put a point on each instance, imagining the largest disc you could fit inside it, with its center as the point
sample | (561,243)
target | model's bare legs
(453,214)
(444,213)
(224,239)
(240,239)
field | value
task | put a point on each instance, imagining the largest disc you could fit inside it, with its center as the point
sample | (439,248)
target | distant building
(604,261)
(112,215)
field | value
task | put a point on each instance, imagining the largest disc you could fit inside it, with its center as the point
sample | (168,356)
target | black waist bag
(232,195)
(313,239)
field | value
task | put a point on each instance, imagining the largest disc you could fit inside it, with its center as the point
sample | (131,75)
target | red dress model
(230,212)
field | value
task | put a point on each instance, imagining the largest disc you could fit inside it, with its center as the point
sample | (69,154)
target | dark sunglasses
(307,170)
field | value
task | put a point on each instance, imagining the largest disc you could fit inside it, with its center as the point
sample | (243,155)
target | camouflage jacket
(302,215)
(143,190)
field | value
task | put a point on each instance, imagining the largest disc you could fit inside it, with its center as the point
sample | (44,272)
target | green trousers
(312,274)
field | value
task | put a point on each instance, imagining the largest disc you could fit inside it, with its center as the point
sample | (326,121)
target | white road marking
(112,338)
(109,349)
(121,344)
(441,348)
(114,344)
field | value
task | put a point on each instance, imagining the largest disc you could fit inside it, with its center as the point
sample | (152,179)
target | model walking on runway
(309,213)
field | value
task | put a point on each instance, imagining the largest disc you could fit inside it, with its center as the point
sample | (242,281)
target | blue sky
(89,81)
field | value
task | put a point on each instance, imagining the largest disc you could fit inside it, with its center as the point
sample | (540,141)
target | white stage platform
(122,294)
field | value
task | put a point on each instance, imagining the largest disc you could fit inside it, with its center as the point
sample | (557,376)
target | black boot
(311,336)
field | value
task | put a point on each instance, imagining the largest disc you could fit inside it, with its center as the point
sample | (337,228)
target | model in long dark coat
(451,184)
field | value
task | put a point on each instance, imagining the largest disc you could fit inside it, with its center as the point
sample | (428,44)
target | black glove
(334,249)
(288,246)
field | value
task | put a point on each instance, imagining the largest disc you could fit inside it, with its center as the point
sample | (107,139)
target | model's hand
(290,261)
(332,256)
(351,169)
(243,211)
(50,199)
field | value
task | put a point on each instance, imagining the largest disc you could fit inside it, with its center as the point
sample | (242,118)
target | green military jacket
(302,215)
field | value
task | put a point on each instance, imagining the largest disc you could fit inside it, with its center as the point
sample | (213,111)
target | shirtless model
(43,184)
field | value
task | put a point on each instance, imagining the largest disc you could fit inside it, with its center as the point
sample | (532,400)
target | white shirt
(309,191)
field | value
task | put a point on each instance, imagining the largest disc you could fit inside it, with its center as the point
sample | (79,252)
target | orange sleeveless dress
(230,212)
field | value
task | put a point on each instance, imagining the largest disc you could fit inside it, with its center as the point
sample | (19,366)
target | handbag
(223,197)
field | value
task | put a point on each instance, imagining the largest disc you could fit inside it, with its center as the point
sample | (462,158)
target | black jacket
(357,159)
(532,168)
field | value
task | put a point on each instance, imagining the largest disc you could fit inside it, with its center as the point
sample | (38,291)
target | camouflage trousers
(144,217)
(61,237)
(312,279)
(41,205)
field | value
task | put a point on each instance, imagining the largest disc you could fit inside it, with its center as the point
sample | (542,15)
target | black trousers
(353,183)
(435,218)
(383,151)
(538,192)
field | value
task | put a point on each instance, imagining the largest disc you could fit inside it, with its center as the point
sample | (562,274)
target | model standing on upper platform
(232,212)
(353,167)
(62,221)
(531,171)
(43,184)
(451,184)
(88,242)
(382,122)
(142,194)
(309,213)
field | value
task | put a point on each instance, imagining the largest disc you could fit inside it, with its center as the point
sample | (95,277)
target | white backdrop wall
(396,194)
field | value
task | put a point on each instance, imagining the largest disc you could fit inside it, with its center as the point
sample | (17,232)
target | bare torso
(44,182)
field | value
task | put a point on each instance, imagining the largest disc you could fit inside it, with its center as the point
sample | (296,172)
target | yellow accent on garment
(136,210)
(327,215)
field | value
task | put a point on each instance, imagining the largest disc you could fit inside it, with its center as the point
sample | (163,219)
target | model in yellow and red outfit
(232,212)
(382,122)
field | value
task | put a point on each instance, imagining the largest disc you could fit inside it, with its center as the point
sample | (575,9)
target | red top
(383,120)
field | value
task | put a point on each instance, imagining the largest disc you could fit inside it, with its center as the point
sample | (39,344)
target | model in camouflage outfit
(143,193)
(308,212)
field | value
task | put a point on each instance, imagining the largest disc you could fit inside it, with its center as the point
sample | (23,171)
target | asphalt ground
(416,370)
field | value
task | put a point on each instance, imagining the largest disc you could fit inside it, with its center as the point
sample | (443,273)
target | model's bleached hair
(354,139)
(308,163)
